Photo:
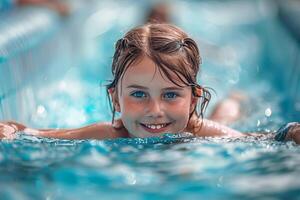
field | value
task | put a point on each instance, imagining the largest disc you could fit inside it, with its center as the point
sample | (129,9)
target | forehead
(145,71)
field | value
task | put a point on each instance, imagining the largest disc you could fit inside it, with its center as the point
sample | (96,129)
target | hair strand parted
(173,52)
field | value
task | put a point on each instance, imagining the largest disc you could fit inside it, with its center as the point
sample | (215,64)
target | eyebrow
(145,88)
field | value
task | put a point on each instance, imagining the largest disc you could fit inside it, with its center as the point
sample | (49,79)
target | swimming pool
(237,54)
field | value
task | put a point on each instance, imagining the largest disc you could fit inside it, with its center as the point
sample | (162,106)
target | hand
(294,133)
(290,131)
(8,130)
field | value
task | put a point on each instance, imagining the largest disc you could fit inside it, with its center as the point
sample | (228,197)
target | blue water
(171,167)
(237,54)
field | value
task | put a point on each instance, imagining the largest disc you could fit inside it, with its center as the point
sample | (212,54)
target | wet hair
(173,52)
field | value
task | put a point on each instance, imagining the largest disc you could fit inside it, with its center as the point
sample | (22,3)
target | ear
(115,100)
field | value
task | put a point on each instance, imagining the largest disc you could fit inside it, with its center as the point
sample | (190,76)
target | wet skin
(150,104)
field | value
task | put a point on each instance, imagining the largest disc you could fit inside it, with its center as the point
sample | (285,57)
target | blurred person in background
(159,13)
(61,7)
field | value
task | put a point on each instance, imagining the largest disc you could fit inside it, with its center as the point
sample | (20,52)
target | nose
(154,108)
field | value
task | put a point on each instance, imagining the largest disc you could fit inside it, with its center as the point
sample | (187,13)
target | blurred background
(55,60)
(55,56)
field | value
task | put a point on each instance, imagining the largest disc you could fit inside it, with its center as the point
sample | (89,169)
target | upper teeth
(155,126)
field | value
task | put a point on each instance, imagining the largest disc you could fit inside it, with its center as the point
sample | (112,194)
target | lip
(159,130)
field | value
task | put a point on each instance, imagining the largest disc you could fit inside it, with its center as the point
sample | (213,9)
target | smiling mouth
(155,128)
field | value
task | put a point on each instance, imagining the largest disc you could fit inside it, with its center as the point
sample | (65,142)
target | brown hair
(170,49)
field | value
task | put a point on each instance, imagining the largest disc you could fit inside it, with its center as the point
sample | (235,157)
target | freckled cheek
(130,107)
(180,107)
(180,111)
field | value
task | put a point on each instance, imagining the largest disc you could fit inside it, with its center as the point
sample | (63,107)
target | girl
(155,91)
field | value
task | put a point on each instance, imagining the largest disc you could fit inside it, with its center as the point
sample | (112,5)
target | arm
(94,131)
(208,128)
(290,131)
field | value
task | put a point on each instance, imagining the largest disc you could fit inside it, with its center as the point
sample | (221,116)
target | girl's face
(150,104)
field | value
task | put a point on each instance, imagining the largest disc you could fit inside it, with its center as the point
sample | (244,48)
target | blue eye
(139,94)
(170,95)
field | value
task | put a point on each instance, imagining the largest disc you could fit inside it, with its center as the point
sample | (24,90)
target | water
(170,167)
(235,55)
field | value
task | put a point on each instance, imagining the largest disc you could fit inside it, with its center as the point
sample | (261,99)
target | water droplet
(268,112)
(40,109)
(258,123)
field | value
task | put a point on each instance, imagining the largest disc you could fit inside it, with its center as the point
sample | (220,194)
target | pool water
(237,55)
(179,167)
